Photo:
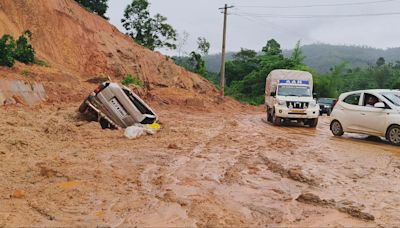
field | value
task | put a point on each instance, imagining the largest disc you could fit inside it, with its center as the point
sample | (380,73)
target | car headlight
(313,104)
(280,102)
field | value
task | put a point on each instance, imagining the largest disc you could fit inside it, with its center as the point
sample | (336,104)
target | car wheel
(269,116)
(313,123)
(393,135)
(104,123)
(336,128)
(328,113)
(276,120)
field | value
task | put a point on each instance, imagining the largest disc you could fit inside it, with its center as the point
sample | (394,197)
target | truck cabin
(295,88)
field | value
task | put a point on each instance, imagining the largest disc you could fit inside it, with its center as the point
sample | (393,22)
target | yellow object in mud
(154,126)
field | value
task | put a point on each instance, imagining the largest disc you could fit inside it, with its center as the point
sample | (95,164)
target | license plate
(297,111)
(118,109)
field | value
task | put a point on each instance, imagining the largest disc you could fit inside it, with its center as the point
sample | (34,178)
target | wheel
(104,123)
(328,113)
(84,106)
(336,128)
(393,135)
(313,122)
(276,120)
(269,116)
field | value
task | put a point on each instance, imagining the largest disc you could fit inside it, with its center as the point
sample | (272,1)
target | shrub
(25,72)
(129,80)
(7,46)
(24,51)
(41,62)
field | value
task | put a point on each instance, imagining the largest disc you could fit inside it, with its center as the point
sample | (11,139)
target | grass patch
(41,62)
(132,80)
(25,72)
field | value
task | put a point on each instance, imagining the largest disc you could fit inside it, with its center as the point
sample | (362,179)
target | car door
(372,120)
(350,109)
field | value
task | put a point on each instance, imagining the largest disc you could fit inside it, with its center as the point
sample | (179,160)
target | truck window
(295,91)
(352,99)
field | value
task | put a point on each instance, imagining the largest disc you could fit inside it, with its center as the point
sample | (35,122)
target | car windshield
(393,97)
(296,91)
(325,100)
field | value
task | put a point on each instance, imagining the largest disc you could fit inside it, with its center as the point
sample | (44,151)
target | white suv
(371,112)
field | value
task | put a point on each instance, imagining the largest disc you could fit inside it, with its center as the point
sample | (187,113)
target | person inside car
(371,101)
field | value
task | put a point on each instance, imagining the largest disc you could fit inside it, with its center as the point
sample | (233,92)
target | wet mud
(201,169)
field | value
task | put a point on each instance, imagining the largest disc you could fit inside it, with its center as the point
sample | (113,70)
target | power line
(318,5)
(316,15)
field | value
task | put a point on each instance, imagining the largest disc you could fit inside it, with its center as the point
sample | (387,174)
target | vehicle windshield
(295,91)
(393,97)
(325,100)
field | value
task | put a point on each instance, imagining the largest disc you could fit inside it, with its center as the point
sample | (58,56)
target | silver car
(117,106)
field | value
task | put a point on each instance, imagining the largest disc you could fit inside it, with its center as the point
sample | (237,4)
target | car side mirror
(379,105)
(273,94)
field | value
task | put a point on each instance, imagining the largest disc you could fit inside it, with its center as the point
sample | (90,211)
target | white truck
(289,97)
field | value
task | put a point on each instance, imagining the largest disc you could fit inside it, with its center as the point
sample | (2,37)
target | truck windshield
(295,91)
(393,97)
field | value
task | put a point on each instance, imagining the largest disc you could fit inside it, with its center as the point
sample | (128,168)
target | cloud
(246,29)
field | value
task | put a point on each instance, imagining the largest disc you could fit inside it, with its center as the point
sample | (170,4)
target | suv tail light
(101,87)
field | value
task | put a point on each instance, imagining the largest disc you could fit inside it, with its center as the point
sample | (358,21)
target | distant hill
(322,57)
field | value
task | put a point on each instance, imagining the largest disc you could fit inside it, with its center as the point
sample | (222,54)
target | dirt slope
(82,45)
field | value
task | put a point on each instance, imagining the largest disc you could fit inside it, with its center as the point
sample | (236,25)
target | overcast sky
(251,23)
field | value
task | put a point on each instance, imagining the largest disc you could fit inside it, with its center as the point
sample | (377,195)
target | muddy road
(201,169)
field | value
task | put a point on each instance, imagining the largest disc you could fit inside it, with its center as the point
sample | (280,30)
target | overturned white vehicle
(288,97)
(116,106)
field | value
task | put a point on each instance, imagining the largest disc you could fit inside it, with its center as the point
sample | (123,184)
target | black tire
(393,135)
(313,123)
(104,123)
(83,107)
(269,116)
(328,113)
(276,120)
(336,128)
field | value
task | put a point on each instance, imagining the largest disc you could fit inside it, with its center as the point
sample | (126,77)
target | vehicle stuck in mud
(288,97)
(116,106)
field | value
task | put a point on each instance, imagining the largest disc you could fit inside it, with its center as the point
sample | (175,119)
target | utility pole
(222,71)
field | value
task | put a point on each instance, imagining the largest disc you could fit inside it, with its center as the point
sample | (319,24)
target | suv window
(352,99)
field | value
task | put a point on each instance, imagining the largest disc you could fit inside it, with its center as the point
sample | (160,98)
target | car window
(393,97)
(352,99)
(370,100)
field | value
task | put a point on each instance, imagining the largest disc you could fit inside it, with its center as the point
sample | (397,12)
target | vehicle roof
(369,91)
(289,73)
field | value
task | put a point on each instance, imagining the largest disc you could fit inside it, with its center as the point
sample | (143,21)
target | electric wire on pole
(222,71)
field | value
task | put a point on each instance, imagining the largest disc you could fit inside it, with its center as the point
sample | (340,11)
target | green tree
(380,62)
(272,48)
(203,45)
(148,31)
(7,46)
(197,63)
(24,51)
(97,6)
(243,63)
(297,55)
